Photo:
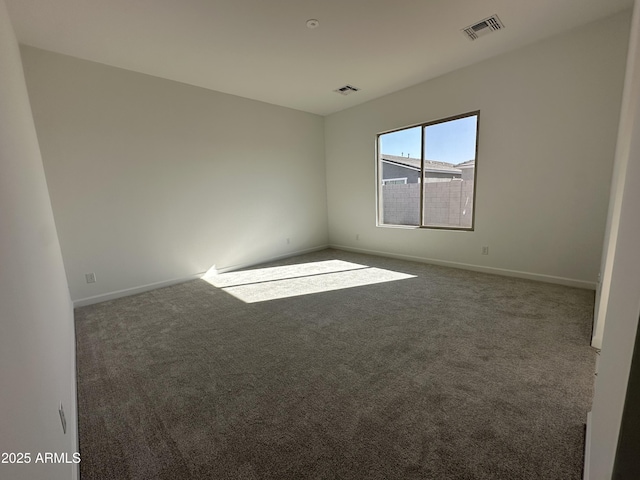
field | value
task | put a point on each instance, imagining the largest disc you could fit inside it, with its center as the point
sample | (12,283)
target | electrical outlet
(357,236)
(485,250)
(63,419)
(288,241)
(91,277)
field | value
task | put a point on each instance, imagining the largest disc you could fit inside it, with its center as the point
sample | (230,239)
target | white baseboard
(478,268)
(133,290)
(570,282)
(596,342)
(174,281)
(587,448)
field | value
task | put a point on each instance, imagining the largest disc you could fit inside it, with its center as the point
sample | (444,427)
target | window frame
(379,199)
(394,181)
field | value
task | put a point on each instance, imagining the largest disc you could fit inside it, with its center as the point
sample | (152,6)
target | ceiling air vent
(483,27)
(346,90)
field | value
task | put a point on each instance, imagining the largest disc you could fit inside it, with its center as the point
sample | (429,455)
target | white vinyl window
(440,159)
(394,181)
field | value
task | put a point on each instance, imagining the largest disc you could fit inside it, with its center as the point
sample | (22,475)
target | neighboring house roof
(467,164)
(414,164)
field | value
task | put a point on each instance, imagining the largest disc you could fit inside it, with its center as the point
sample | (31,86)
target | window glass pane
(449,173)
(399,157)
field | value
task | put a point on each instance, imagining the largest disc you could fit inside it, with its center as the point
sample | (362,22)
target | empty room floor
(336,365)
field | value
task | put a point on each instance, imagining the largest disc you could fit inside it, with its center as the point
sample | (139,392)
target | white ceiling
(262,49)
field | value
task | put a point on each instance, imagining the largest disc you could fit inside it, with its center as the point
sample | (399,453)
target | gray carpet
(448,374)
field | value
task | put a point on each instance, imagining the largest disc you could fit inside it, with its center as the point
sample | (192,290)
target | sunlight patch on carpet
(263,284)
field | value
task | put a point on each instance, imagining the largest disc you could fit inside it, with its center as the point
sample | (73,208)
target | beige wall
(153,180)
(549,116)
(37,361)
(621,308)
